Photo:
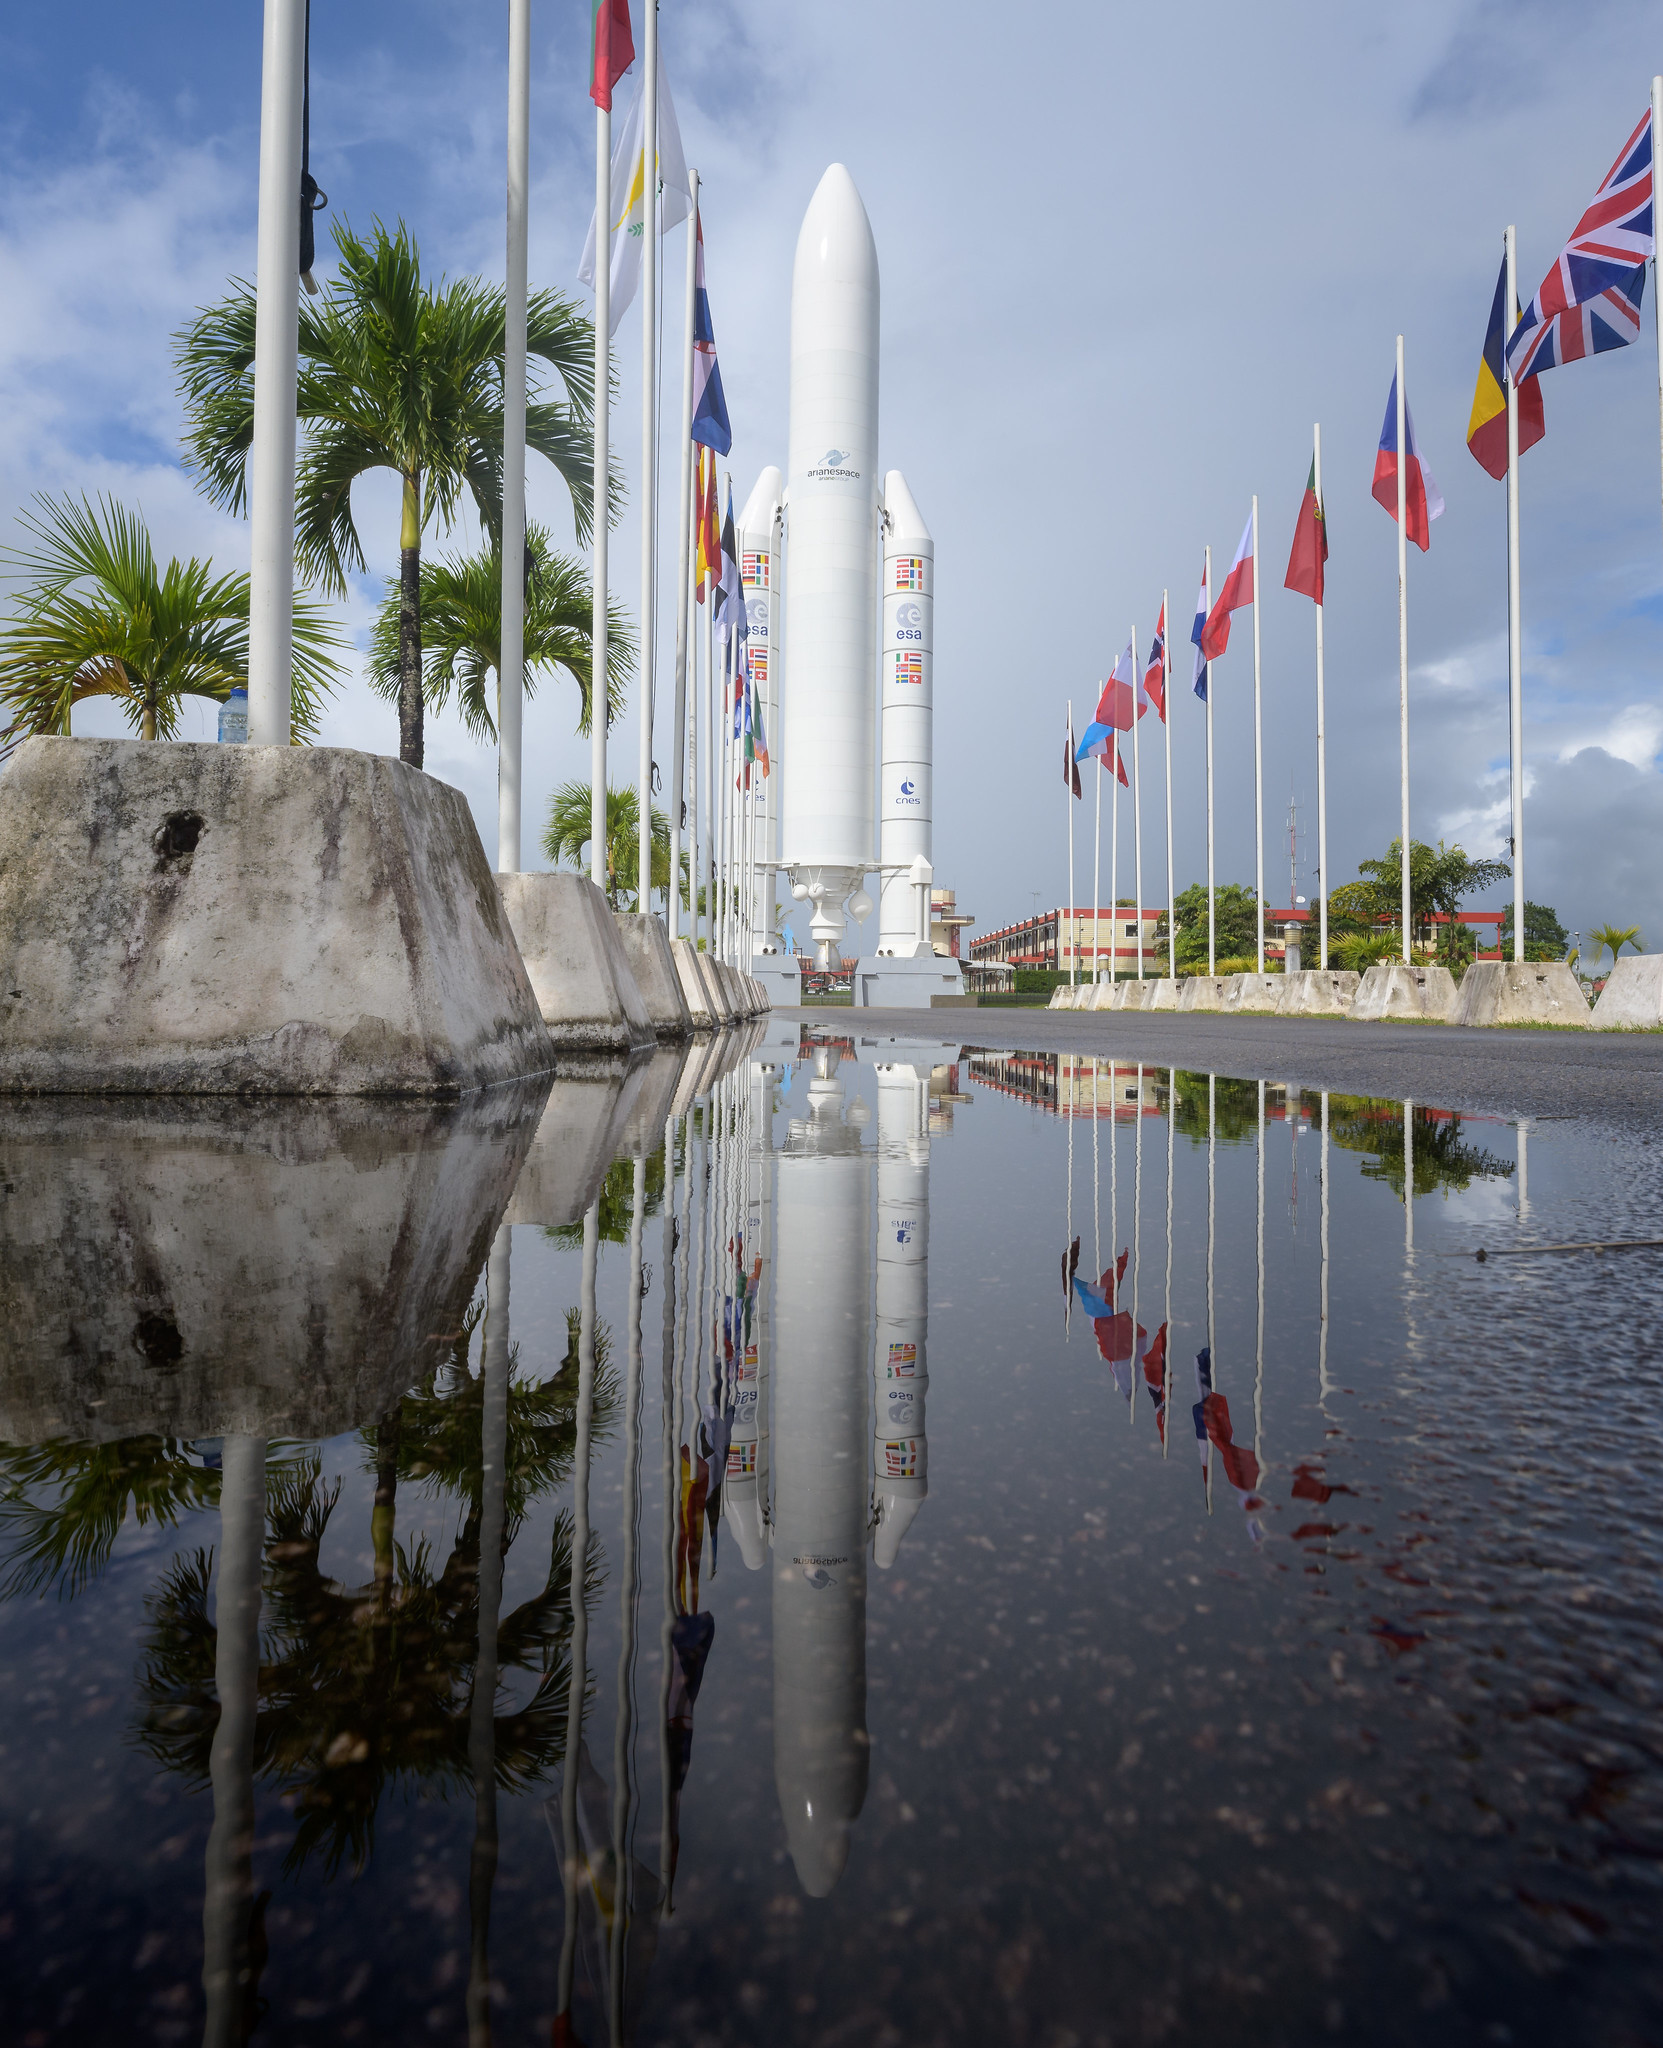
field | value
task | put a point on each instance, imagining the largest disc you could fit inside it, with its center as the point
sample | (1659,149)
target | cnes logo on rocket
(833,464)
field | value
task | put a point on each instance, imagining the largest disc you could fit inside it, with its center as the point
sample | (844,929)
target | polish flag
(1236,594)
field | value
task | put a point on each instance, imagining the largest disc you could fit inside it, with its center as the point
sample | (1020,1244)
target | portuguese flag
(1487,429)
(611,49)
(1310,544)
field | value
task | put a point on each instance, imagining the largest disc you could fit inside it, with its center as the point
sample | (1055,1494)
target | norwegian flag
(1590,300)
(1154,676)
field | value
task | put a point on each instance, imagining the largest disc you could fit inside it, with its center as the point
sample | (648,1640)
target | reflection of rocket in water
(745,1496)
(900,1454)
(817,1400)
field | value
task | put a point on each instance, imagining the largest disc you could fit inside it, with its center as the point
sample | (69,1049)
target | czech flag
(1154,676)
(1422,499)
(1236,594)
(1487,428)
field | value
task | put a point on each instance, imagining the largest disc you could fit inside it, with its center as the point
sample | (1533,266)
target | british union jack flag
(1590,300)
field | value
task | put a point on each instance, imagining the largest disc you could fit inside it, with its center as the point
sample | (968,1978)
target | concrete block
(187,919)
(1254,994)
(1099,995)
(1317,991)
(780,976)
(660,1081)
(576,960)
(647,949)
(1392,988)
(1059,999)
(887,981)
(715,990)
(1632,998)
(1521,992)
(1202,992)
(581,1131)
(1136,995)
(694,991)
(1166,995)
(219,1265)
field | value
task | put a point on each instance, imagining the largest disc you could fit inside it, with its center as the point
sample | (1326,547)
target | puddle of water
(1014,1548)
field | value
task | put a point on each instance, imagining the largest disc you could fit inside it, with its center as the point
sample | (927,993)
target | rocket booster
(759,567)
(905,775)
(831,598)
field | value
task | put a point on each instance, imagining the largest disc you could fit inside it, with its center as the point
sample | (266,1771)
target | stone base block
(1318,991)
(885,981)
(577,964)
(780,978)
(1202,992)
(1165,994)
(1253,994)
(581,1131)
(185,919)
(1137,995)
(715,992)
(1392,988)
(1632,998)
(1099,996)
(647,949)
(694,992)
(1521,992)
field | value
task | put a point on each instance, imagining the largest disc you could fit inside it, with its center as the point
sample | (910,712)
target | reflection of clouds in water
(1481,1201)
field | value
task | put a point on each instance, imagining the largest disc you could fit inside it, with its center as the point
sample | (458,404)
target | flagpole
(1114,844)
(678,764)
(1515,648)
(649,450)
(711,759)
(689,571)
(1137,805)
(1657,268)
(1322,738)
(511,654)
(1097,877)
(1166,693)
(1258,758)
(1068,801)
(1212,922)
(603,423)
(1403,635)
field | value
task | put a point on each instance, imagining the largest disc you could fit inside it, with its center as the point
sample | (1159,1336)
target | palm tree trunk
(410,625)
(147,718)
(384,1511)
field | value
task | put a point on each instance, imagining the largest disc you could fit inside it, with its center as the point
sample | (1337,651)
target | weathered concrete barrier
(577,964)
(1136,995)
(1318,991)
(694,992)
(188,919)
(1167,994)
(647,949)
(1521,992)
(1253,994)
(1632,998)
(581,1131)
(1202,992)
(1392,988)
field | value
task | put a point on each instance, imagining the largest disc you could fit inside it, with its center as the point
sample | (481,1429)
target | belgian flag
(1487,429)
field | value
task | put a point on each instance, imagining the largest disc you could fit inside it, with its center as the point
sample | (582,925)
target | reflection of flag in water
(1154,1378)
(691,1636)
(1212,1427)
(695,1489)
(1070,1259)
(1117,1340)
(606,1894)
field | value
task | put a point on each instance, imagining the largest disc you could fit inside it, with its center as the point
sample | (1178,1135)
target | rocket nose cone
(820,1850)
(835,241)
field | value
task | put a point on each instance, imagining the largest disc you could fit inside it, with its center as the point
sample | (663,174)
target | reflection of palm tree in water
(1442,1159)
(66,1539)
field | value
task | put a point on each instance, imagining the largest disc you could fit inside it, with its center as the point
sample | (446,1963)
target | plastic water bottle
(233,717)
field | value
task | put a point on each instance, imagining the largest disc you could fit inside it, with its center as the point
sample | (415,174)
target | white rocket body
(904,783)
(831,599)
(900,1452)
(818,1435)
(760,562)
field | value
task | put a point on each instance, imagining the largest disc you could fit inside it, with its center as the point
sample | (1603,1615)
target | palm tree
(1612,938)
(568,834)
(1439,877)
(97,618)
(461,619)
(399,375)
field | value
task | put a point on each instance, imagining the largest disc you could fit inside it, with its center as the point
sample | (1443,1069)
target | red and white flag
(1237,593)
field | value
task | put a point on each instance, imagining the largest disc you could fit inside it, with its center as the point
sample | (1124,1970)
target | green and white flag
(629,186)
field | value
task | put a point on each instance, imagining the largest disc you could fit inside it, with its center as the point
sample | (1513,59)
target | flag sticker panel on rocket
(754,570)
(909,667)
(903,1361)
(909,572)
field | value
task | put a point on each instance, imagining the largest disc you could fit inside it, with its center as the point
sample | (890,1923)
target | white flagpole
(1258,758)
(1097,880)
(1322,743)
(603,422)
(1114,853)
(1403,634)
(695,871)
(1656,266)
(712,758)
(649,453)
(1166,721)
(1068,802)
(1212,922)
(1137,805)
(679,772)
(1515,648)
(511,654)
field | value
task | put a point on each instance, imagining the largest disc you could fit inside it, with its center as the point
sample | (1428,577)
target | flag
(611,49)
(732,626)
(629,189)
(1590,300)
(1237,593)
(1154,1378)
(1487,428)
(1114,707)
(1310,544)
(710,407)
(1154,675)
(708,560)
(1071,776)
(1197,635)
(1422,499)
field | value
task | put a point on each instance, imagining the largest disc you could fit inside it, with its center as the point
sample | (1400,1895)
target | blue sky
(1121,279)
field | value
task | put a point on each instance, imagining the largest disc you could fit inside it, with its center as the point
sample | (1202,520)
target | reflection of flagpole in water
(623,1738)
(675,1322)
(1171,1138)
(900,1448)
(579,1609)
(482,1708)
(1322,1327)
(1068,1220)
(1259,1352)
(1096,1202)
(1212,1160)
(1408,1179)
(1137,1225)
(1524,1169)
(228,1896)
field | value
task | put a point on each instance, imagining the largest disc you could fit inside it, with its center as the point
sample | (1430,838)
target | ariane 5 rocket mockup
(832,545)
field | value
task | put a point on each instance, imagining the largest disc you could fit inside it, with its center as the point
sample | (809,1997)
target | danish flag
(1590,300)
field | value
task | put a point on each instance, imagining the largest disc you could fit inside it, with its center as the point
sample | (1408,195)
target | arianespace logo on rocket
(833,467)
